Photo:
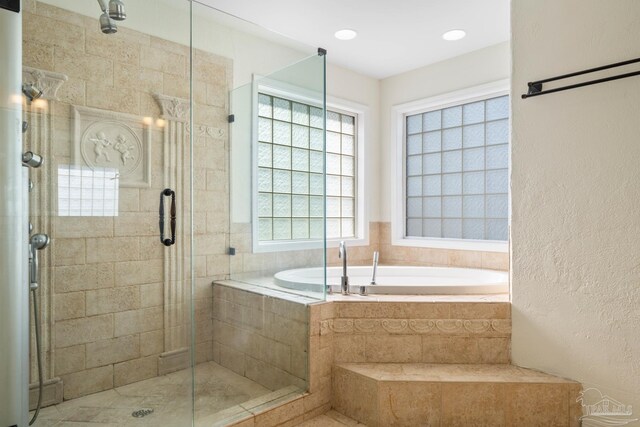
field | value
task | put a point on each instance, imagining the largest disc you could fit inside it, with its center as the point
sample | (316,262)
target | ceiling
(393,36)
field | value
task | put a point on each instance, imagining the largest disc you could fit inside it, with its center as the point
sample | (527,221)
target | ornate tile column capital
(176,109)
(47,81)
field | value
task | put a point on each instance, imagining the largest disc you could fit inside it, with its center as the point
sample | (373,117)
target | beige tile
(481,311)
(40,29)
(83,277)
(349,348)
(409,403)
(69,359)
(112,300)
(139,272)
(495,260)
(281,414)
(494,350)
(79,331)
(136,224)
(151,295)
(543,405)
(450,349)
(69,306)
(391,348)
(135,370)
(72,92)
(107,97)
(466,404)
(114,48)
(135,321)
(575,406)
(92,68)
(355,396)
(86,382)
(108,352)
(109,249)
(73,227)
(161,60)
(466,259)
(69,252)
(151,342)
(231,359)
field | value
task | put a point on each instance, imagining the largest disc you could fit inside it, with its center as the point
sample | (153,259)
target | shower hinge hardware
(322,52)
(231,118)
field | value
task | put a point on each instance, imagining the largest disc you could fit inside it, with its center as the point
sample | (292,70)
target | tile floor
(220,395)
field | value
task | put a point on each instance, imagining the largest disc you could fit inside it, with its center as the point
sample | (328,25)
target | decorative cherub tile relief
(107,139)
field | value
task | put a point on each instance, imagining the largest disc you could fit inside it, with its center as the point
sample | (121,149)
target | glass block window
(457,171)
(290,203)
(83,191)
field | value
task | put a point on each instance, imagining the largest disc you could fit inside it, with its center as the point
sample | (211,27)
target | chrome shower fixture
(32,159)
(116,10)
(107,26)
(31,92)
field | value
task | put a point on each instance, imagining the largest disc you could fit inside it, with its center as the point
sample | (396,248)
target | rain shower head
(116,10)
(31,92)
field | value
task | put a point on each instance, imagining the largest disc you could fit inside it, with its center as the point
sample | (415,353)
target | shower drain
(141,413)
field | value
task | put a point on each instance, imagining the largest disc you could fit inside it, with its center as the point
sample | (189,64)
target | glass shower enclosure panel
(114,197)
(277,166)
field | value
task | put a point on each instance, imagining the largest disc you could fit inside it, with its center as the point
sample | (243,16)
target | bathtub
(398,280)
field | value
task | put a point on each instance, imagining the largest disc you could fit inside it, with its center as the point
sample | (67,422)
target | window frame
(339,105)
(399,173)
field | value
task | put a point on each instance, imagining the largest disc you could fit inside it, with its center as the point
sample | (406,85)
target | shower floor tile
(219,395)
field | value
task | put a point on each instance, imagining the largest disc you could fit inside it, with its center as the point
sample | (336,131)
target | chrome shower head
(116,10)
(107,26)
(31,92)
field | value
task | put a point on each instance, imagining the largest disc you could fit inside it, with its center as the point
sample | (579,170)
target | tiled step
(397,394)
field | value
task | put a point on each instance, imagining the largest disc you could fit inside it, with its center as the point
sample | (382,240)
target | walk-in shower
(129,145)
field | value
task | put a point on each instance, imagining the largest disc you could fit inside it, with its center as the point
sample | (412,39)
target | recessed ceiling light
(345,34)
(454,35)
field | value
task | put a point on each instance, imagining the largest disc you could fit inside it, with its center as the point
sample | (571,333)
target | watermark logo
(602,410)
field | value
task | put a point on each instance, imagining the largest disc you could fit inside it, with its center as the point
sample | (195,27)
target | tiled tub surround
(414,332)
(111,314)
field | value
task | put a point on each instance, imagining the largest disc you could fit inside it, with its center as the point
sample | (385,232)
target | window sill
(459,244)
(292,245)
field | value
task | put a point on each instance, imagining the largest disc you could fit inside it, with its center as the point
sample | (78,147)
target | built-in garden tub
(399,280)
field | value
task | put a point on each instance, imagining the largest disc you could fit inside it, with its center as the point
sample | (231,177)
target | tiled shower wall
(105,313)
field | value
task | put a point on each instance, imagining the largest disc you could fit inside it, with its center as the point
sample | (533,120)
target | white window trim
(306,96)
(398,212)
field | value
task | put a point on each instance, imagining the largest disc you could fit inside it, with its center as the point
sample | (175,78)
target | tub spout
(344,280)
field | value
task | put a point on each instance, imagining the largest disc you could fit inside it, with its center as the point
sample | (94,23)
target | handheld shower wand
(37,243)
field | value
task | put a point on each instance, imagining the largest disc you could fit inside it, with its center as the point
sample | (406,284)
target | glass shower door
(114,196)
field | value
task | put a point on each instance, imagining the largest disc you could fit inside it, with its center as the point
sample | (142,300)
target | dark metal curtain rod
(535,88)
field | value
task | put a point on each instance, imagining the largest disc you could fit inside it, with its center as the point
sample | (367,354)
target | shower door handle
(166,193)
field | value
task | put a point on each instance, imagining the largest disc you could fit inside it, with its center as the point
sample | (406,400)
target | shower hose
(38,356)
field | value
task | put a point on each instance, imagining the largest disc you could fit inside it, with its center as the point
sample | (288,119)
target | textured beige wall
(576,197)
(107,314)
